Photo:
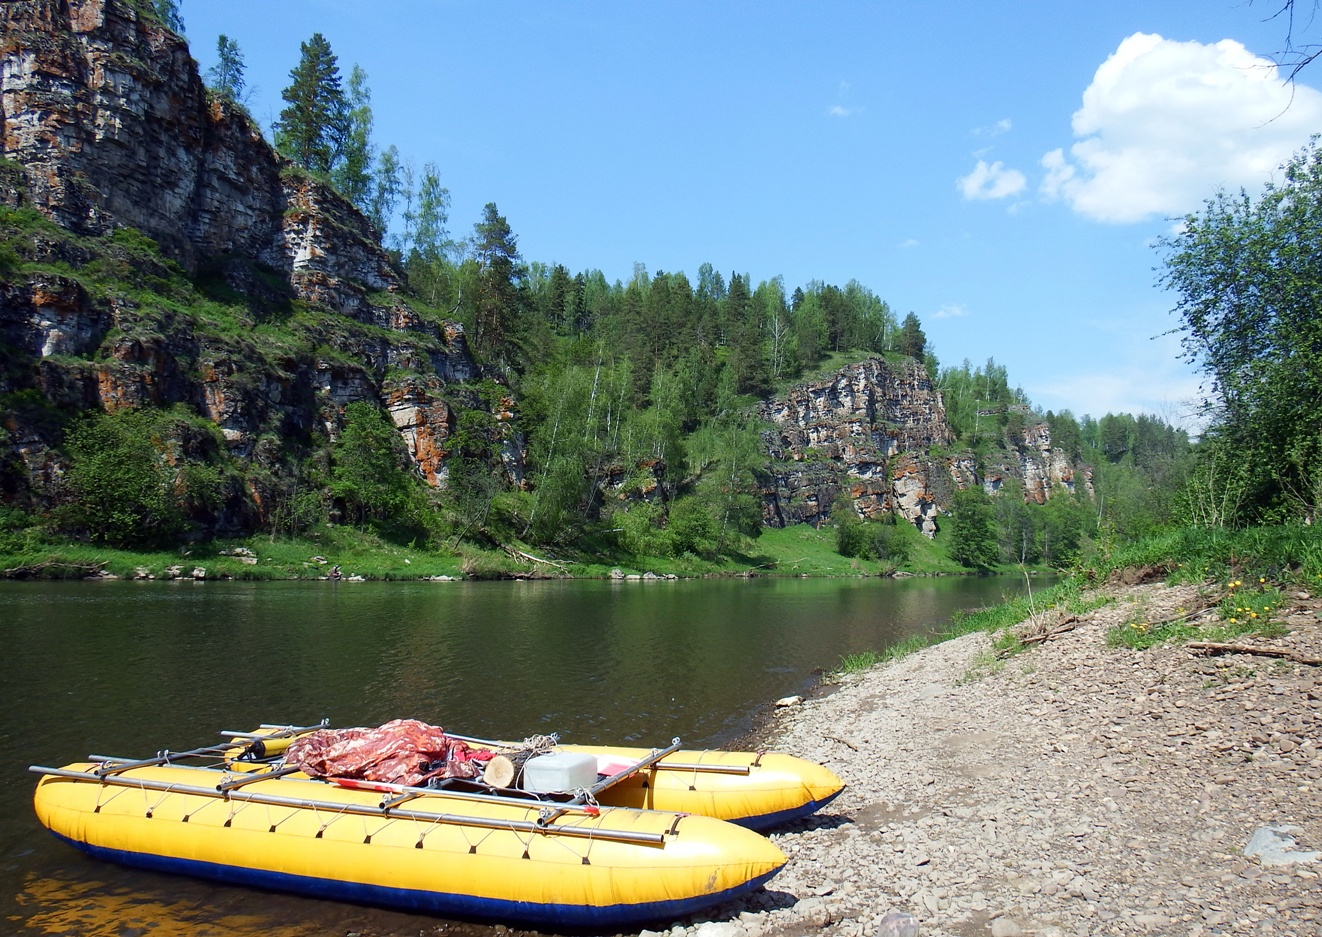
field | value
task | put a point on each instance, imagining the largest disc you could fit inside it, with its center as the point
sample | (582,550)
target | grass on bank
(1253,568)
(794,551)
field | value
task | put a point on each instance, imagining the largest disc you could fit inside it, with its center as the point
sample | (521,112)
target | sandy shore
(1070,789)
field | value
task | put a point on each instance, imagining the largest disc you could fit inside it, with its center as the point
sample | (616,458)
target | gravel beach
(1070,789)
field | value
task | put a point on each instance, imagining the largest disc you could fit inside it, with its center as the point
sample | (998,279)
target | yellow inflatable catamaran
(758,790)
(233,812)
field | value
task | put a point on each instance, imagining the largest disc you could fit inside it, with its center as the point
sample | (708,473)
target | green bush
(121,487)
(368,476)
(691,527)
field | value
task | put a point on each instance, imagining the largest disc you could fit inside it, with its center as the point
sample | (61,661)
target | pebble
(1080,789)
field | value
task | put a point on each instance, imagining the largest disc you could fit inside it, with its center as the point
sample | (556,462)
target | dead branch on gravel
(1214,647)
(832,738)
(1184,616)
(1063,626)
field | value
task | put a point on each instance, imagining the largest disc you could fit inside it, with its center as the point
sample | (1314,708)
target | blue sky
(1001,169)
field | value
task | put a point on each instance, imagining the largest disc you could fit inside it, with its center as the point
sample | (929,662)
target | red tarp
(403,751)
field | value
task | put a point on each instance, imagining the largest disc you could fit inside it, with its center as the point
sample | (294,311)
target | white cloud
(995,130)
(951,311)
(991,181)
(1171,396)
(1142,375)
(907,243)
(1164,124)
(835,110)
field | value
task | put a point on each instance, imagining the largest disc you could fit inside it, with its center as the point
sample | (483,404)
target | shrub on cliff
(122,487)
(368,477)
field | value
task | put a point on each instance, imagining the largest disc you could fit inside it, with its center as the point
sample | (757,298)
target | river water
(128,668)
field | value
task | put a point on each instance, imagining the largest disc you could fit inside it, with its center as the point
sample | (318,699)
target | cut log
(503,771)
(500,772)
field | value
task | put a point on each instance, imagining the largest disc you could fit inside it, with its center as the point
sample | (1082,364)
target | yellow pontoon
(459,855)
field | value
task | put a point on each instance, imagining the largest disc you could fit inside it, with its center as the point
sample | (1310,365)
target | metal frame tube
(274,800)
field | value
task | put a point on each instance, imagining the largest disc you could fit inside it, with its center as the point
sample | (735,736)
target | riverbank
(362,554)
(1073,788)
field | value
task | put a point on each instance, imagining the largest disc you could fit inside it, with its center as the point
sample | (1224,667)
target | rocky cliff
(876,432)
(269,304)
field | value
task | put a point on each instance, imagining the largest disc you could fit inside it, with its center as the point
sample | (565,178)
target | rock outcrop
(876,432)
(107,129)
(106,114)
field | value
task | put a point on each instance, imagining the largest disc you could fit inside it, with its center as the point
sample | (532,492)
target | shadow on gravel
(818,821)
(771,900)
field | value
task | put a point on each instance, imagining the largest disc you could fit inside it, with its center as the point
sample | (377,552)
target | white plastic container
(559,772)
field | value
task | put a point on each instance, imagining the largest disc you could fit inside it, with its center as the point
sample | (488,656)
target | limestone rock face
(108,116)
(113,126)
(844,433)
(105,124)
(1041,469)
(869,433)
(864,414)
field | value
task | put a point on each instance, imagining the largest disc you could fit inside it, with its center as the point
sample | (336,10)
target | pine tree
(912,340)
(497,254)
(747,360)
(227,74)
(312,129)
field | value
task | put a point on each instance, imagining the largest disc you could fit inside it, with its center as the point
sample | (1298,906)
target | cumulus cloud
(1164,124)
(951,311)
(835,110)
(991,181)
(908,243)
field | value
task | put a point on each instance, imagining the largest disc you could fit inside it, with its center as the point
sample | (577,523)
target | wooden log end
(499,772)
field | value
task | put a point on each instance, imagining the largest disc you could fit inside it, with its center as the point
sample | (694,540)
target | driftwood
(1214,647)
(34,569)
(1184,616)
(520,555)
(1066,625)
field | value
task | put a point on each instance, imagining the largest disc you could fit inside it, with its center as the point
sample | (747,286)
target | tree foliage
(497,303)
(168,11)
(351,171)
(972,529)
(137,478)
(369,475)
(1248,274)
(913,341)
